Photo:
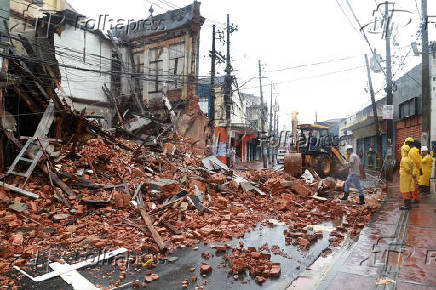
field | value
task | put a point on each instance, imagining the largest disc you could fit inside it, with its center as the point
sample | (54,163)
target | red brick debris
(105,175)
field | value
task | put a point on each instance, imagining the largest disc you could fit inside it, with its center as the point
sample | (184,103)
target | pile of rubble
(160,196)
(256,262)
(159,191)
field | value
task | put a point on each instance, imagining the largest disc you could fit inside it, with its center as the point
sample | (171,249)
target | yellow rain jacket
(427,163)
(406,171)
(416,158)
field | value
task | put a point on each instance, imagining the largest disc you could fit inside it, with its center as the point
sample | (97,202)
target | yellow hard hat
(405,148)
(409,139)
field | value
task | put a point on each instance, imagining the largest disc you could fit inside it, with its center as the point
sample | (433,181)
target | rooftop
(170,20)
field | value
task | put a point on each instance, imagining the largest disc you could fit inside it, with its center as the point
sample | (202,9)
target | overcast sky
(288,33)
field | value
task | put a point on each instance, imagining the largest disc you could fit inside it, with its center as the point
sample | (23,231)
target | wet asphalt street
(171,274)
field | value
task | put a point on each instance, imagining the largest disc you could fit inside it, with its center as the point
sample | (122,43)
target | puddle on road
(171,275)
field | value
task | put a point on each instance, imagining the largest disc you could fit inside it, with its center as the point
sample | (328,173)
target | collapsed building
(116,156)
(163,54)
(139,78)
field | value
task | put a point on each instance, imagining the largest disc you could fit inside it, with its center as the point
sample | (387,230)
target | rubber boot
(345,197)
(406,205)
(361,200)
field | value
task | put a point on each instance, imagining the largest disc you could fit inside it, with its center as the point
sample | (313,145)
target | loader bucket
(293,164)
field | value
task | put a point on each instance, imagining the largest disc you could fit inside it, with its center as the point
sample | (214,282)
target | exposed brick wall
(407,128)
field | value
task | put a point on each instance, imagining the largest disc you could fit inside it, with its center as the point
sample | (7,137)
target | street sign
(388,112)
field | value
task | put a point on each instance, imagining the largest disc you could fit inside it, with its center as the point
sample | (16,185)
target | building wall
(253,111)
(238,109)
(407,128)
(433,99)
(27,9)
(351,137)
(83,49)
(57,5)
(22,18)
(203,93)
(4,15)
(172,62)
(204,106)
(408,87)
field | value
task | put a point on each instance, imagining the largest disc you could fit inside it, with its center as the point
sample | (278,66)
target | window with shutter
(176,64)
(155,70)
(139,68)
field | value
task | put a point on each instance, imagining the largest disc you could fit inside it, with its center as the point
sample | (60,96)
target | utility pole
(228,78)
(389,96)
(270,149)
(212,81)
(374,110)
(316,117)
(426,91)
(276,118)
(275,131)
(271,112)
(228,87)
(262,119)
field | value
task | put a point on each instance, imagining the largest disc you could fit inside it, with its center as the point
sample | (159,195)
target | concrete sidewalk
(396,250)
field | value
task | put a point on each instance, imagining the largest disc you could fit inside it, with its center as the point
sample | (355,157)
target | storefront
(244,141)
(364,133)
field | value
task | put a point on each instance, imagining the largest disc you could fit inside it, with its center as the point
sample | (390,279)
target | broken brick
(256,255)
(205,255)
(16,239)
(275,270)
(205,268)
(301,189)
(260,279)
(220,249)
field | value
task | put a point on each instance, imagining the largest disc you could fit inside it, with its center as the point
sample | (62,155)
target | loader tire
(324,166)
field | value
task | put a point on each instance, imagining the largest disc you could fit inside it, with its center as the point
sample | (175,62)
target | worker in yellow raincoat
(406,176)
(417,170)
(427,163)
(409,141)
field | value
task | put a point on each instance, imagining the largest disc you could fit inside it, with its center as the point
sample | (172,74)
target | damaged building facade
(59,35)
(85,56)
(158,62)
(163,52)
(55,55)
(107,149)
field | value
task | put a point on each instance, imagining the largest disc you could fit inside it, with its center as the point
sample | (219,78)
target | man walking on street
(353,167)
